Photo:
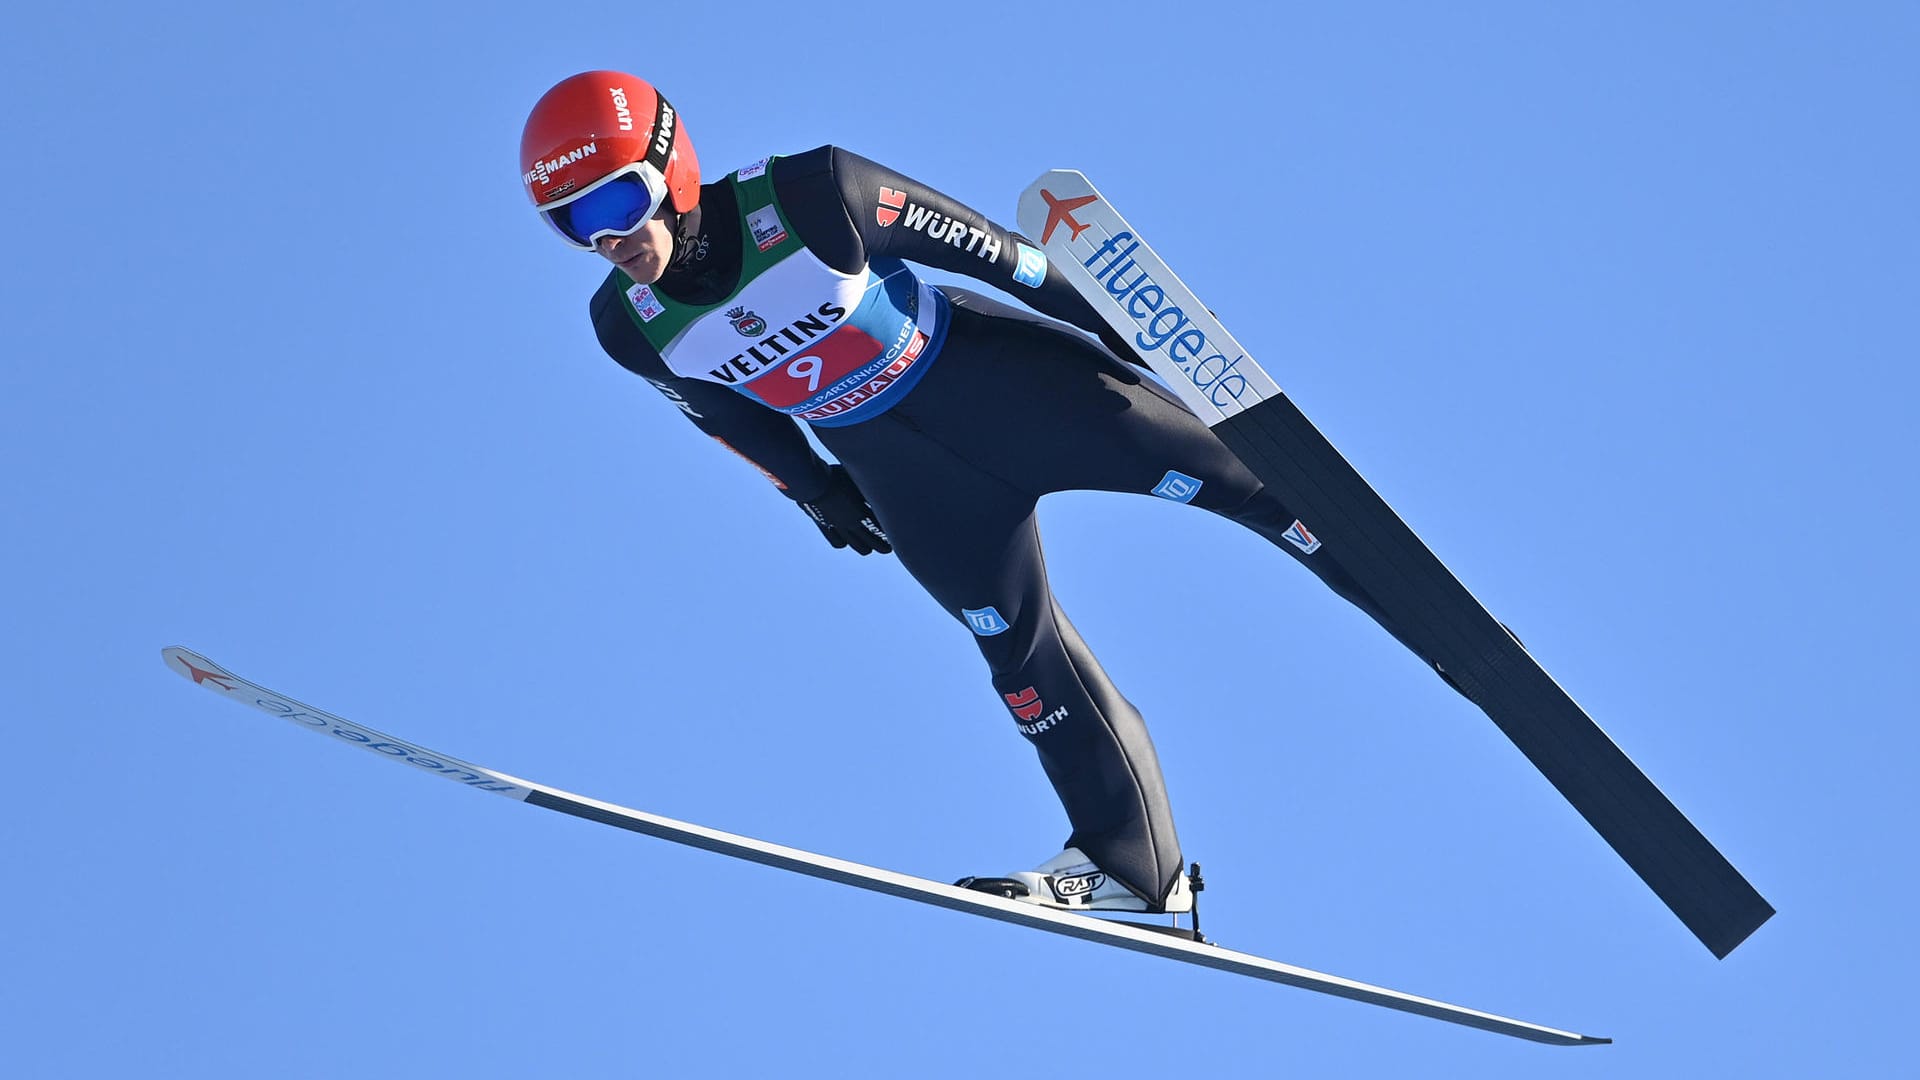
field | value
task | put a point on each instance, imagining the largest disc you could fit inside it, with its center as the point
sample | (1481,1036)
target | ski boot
(1072,882)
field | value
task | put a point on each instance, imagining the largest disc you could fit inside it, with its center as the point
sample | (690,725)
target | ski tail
(1441,620)
(1342,519)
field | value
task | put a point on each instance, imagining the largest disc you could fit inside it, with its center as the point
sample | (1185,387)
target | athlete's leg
(1090,422)
(971,542)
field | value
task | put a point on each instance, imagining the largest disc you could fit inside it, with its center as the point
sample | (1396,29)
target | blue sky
(1615,306)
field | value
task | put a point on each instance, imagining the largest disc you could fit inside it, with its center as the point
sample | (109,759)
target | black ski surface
(1342,519)
(1442,620)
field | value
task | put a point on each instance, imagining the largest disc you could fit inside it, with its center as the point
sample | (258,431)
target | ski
(1145,939)
(1343,519)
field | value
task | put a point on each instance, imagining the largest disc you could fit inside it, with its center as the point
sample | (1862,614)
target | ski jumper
(953,414)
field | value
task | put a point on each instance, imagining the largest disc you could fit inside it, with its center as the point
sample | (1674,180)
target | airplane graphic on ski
(1060,211)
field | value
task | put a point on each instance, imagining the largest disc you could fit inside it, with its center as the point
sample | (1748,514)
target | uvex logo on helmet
(663,139)
(620,109)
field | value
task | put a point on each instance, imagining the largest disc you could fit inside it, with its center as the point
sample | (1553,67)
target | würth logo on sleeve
(971,239)
(892,201)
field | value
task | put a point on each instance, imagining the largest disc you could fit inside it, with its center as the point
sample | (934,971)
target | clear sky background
(1615,305)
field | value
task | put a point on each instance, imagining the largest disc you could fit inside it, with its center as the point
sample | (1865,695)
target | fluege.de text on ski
(1164,326)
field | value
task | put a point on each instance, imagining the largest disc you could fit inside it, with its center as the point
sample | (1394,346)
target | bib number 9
(808,368)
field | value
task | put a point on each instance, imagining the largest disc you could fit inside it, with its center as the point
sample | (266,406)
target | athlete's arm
(850,210)
(769,440)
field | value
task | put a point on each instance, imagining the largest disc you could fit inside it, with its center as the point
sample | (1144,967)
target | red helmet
(598,123)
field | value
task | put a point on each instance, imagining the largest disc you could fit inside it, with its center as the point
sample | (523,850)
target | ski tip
(1546,1035)
(176,657)
(197,669)
(1590,1040)
(1068,181)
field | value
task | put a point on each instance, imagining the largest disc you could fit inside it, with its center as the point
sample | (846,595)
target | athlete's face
(643,253)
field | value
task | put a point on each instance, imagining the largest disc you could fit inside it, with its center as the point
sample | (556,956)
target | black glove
(844,517)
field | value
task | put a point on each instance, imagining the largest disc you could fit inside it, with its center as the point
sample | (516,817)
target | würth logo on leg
(1027,707)
(1026,704)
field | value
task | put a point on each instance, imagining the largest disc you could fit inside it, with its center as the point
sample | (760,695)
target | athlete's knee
(1257,507)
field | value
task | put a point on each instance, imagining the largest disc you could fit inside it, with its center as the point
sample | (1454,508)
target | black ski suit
(1007,408)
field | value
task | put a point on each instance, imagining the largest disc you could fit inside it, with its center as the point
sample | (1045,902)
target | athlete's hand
(844,517)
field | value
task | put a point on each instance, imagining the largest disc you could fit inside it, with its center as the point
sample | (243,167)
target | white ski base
(218,679)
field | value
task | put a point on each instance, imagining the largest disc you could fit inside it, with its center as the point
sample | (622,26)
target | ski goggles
(617,204)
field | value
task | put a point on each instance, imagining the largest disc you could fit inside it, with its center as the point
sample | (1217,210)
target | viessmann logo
(542,171)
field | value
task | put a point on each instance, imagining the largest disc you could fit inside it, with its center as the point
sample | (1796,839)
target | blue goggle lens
(619,206)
